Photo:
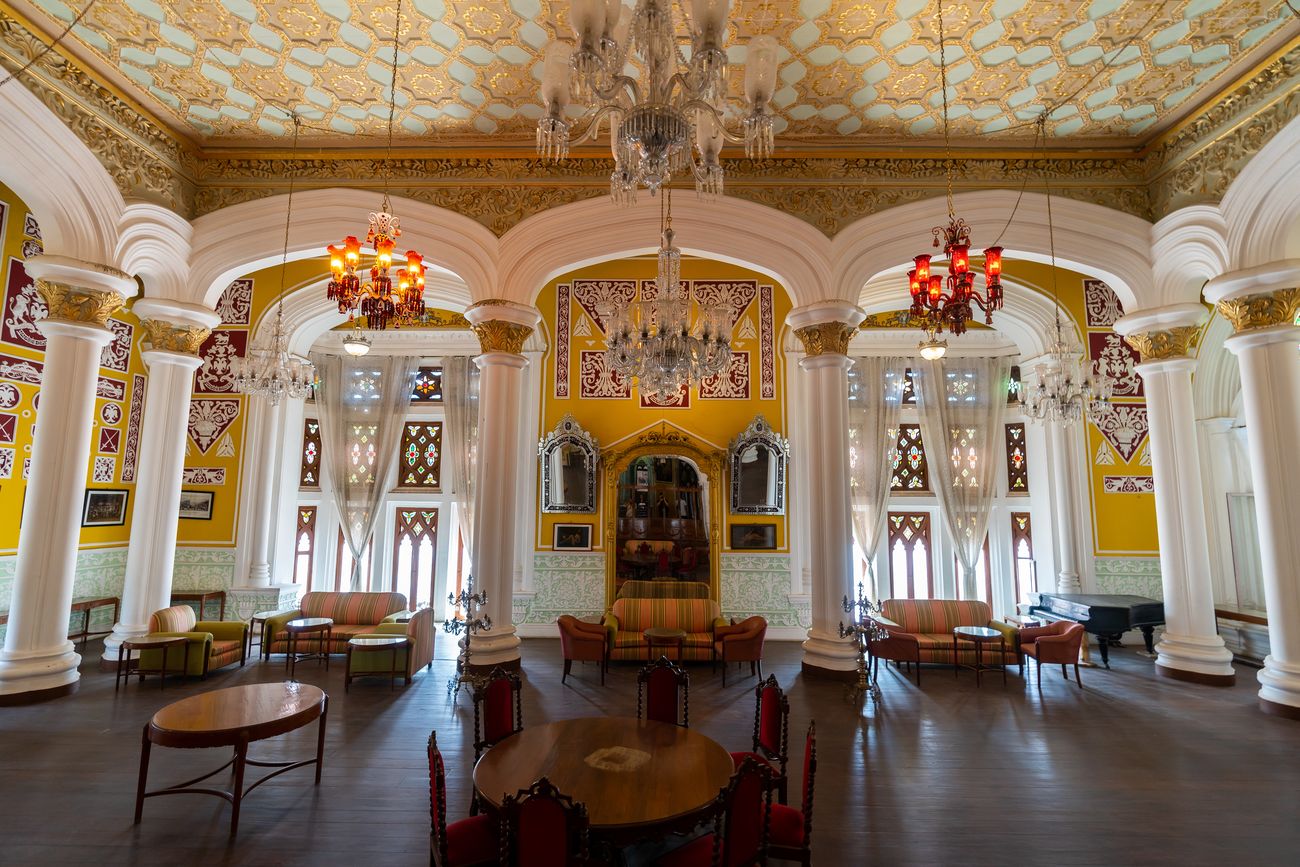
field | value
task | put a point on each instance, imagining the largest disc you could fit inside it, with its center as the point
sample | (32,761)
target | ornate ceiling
(221,71)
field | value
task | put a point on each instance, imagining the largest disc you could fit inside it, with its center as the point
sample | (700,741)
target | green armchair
(213,643)
(417,654)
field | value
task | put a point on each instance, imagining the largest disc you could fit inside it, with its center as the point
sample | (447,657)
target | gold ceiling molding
(825,338)
(1265,310)
(1159,345)
(72,304)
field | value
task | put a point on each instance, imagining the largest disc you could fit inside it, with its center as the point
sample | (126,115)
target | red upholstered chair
(791,829)
(898,647)
(542,828)
(740,642)
(664,567)
(741,816)
(1057,642)
(663,692)
(470,841)
(498,713)
(690,558)
(585,642)
(771,731)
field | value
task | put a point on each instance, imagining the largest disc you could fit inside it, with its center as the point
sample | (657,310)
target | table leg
(85,628)
(162,674)
(222,615)
(117,679)
(144,774)
(1002,655)
(237,795)
(979,661)
(320,738)
(291,661)
(392,671)
(325,648)
(955,642)
(347,671)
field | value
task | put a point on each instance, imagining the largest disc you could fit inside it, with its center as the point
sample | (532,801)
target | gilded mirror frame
(568,433)
(759,433)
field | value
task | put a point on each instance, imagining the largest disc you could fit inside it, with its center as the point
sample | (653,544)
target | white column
(266,456)
(38,660)
(529,410)
(797,496)
(174,333)
(502,328)
(825,330)
(1190,648)
(1262,304)
(1065,515)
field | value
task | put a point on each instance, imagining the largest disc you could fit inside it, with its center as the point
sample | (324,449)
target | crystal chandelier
(669,339)
(270,371)
(379,299)
(671,118)
(933,308)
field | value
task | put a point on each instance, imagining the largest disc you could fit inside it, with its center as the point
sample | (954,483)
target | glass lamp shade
(356,345)
(933,349)
(555,77)
(587,18)
(760,70)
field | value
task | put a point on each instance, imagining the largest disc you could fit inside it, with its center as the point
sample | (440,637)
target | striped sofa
(213,644)
(353,614)
(628,618)
(920,630)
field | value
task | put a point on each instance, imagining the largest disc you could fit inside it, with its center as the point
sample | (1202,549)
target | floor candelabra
(863,629)
(471,602)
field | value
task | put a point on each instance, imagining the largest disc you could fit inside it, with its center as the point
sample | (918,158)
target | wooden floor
(1133,769)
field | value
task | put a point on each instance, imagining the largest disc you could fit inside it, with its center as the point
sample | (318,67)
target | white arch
(1262,205)
(731,230)
(234,241)
(1216,387)
(57,176)
(154,244)
(1188,247)
(1089,238)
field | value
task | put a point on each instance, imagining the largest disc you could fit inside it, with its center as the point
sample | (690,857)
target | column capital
(501,325)
(825,338)
(67,303)
(1165,344)
(1278,308)
(170,337)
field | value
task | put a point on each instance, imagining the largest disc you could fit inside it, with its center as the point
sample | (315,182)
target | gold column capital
(1162,344)
(1265,310)
(161,334)
(826,338)
(72,304)
(498,335)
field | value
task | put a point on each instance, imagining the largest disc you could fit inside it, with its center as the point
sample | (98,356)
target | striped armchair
(213,643)
(920,630)
(418,653)
(353,614)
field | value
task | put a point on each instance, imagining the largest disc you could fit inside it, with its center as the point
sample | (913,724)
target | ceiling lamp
(671,118)
(940,302)
(932,348)
(379,299)
(269,370)
(669,339)
(356,343)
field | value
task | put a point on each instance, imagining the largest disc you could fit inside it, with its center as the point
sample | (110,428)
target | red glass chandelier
(939,302)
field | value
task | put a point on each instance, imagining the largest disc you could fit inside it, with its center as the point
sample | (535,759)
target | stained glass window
(415,547)
(910,472)
(428,385)
(304,546)
(909,388)
(1017,466)
(361,454)
(421,455)
(1022,547)
(909,555)
(309,475)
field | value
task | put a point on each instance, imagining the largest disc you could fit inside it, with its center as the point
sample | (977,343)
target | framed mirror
(758,458)
(569,455)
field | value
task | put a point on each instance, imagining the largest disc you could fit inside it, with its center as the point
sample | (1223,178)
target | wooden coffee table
(318,629)
(979,636)
(161,643)
(390,643)
(636,776)
(263,646)
(233,717)
(662,636)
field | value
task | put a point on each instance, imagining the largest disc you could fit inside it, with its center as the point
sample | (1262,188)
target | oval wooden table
(638,778)
(233,717)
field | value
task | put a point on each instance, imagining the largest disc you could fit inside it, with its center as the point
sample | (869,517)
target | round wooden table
(638,778)
(320,627)
(663,636)
(390,644)
(233,717)
(979,636)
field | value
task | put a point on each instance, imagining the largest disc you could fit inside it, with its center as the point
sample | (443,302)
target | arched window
(909,555)
(304,546)
(415,554)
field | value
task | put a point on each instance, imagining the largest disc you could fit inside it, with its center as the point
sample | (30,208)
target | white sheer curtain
(962,402)
(362,404)
(875,396)
(460,398)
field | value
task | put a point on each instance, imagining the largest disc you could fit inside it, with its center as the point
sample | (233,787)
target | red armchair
(471,841)
(663,693)
(541,827)
(740,642)
(771,731)
(791,832)
(585,642)
(1055,643)
(741,815)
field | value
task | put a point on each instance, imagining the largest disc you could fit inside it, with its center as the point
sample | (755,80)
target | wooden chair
(791,829)
(740,642)
(690,559)
(471,841)
(498,713)
(771,732)
(542,828)
(585,642)
(741,819)
(1058,642)
(662,692)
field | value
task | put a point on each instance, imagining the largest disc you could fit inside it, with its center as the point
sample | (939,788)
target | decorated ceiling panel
(226,70)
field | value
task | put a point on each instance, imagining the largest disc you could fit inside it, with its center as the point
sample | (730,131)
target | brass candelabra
(471,602)
(862,629)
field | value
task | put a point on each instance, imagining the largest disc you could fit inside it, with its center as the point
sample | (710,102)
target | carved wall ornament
(826,338)
(1252,312)
(497,335)
(78,305)
(1158,345)
(161,334)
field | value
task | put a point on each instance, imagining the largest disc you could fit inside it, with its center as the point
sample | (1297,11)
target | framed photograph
(642,475)
(753,537)
(103,508)
(197,505)
(572,537)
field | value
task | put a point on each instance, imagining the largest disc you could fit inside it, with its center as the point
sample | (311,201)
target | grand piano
(1107,617)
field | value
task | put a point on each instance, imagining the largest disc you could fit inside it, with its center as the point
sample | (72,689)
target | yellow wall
(17,233)
(611,420)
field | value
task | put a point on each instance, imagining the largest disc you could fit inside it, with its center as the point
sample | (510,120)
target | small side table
(202,597)
(661,636)
(162,643)
(319,629)
(391,643)
(979,636)
(263,646)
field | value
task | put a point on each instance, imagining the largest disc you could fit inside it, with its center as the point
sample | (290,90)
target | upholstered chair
(498,713)
(1056,643)
(740,642)
(898,646)
(771,731)
(585,642)
(791,831)
(540,827)
(213,643)
(471,841)
(741,818)
(663,693)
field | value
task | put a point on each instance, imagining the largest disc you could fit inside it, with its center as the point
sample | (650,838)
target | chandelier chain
(288,221)
(392,102)
(943,85)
